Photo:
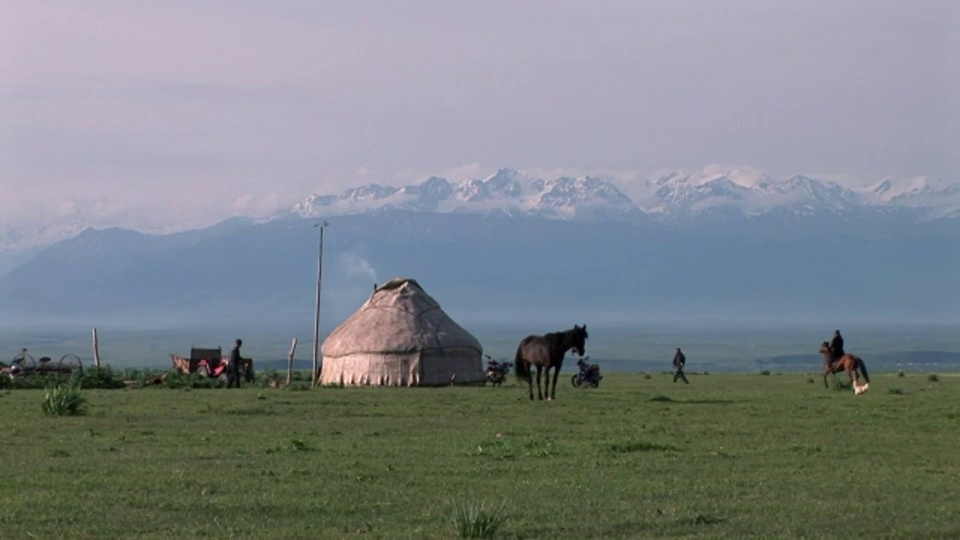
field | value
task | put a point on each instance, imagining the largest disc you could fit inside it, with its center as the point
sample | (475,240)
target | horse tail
(520,367)
(863,369)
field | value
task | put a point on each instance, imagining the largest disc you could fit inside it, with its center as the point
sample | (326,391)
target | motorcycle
(497,371)
(589,374)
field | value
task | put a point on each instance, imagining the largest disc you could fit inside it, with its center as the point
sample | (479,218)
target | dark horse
(547,351)
(849,363)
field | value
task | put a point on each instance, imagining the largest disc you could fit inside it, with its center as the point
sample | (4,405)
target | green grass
(727,456)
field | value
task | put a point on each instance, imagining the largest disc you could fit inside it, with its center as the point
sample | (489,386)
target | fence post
(96,349)
(293,349)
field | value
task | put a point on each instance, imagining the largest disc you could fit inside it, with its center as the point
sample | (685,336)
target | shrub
(98,377)
(301,375)
(265,376)
(32,382)
(895,391)
(475,520)
(810,380)
(901,374)
(933,377)
(191,380)
(64,400)
(647,376)
(765,372)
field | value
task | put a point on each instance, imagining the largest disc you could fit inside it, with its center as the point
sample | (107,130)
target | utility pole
(316,315)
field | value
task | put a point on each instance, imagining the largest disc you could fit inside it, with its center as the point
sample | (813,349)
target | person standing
(233,368)
(679,361)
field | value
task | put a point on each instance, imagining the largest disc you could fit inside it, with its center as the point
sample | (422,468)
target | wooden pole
(316,315)
(96,349)
(293,349)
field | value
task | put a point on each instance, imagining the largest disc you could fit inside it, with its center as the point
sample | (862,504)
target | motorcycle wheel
(574,382)
(595,384)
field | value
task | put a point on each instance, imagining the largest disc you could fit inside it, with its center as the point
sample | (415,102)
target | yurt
(401,337)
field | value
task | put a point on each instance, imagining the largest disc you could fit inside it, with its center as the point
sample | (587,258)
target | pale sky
(165,110)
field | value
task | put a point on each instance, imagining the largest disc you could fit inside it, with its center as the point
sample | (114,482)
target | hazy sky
(169,108)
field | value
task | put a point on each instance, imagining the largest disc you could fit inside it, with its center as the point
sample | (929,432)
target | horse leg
(852,375)
(866,377)
(826,371)
(556,375)
(546,384)
(530,381)
(539,392)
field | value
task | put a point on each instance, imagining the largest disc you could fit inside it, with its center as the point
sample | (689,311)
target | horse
(849,363)
(547,351)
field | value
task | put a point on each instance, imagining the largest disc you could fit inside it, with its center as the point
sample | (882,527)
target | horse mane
(557,337)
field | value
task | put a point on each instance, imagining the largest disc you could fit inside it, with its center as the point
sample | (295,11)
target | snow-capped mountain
(936,196)
(714,192)
(507,192)
(667,195)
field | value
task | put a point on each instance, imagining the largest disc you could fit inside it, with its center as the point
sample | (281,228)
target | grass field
(728,456)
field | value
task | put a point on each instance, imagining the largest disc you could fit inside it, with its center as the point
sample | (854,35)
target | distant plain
(711,348)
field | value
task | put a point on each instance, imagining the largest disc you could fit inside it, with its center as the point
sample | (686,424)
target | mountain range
(498,268)
(672,195)
(734,246)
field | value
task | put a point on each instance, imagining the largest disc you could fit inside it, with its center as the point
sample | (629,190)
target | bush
(30,382)
(98,377)
(265,376)
(191,380)
(102,377)
(765,372)
(64,400)
(933,377)
(901,374)
(895,391)
(475,520)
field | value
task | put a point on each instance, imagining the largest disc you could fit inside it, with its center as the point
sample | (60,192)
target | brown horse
(547,351)
(849,363)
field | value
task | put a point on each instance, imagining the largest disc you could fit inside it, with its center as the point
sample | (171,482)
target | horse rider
(679,361)
(836,347)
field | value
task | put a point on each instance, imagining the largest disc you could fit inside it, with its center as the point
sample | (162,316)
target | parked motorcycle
(588,376)
(497,371)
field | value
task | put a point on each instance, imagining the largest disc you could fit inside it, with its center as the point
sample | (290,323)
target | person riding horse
(836,347)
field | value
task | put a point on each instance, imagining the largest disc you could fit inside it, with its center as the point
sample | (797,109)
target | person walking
(233,368)
(679,361)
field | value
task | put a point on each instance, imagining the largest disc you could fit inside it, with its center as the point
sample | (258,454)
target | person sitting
(589,372)
(836,348)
